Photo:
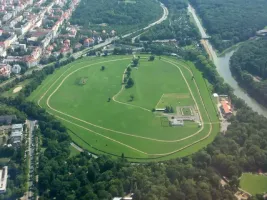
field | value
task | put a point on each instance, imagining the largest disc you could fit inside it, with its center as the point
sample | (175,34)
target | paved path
(76,147)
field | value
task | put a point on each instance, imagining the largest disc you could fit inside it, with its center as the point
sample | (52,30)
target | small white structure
(177,122)
(16,69)
(215,95)
(3,179)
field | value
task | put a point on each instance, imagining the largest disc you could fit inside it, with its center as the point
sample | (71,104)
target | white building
(16,134)
(17,127)
(177,122)
(16,69)
(3,179)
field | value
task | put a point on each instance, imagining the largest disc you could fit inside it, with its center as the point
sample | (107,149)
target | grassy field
(123,126)
(10,93)
(253,183)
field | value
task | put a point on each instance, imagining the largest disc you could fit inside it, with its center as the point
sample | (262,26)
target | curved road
(110,40)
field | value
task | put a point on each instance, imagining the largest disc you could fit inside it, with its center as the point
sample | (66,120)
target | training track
(127,134)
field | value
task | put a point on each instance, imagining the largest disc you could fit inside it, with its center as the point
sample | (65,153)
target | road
(110,40)
(30,125)
(163,17)
(198,23)
(76,147)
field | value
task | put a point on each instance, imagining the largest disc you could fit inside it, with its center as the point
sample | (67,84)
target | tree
(103,68)
(135,62)
(131,97)
(129,83)
(151,58)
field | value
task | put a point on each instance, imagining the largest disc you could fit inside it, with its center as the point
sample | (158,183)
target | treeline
(249,66)
(178,26)
(115,14)
(231,21)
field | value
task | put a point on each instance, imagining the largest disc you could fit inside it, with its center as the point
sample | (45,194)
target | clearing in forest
(103,116)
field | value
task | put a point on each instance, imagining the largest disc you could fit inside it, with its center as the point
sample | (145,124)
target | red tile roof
(226,107)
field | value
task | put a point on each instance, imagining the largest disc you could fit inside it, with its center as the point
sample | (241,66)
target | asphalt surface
(31,145)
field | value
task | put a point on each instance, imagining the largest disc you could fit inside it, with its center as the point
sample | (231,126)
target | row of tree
(249,65)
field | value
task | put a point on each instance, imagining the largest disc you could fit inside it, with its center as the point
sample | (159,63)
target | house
(3,179)
(7,119)
(5,70)
(88,42)
(17,128)
(16,69)
(226,108)
(65,50)
(16,138)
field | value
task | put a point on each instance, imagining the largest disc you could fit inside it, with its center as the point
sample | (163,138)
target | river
(222,64)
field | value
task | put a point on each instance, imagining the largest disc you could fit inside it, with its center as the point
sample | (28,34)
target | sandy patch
(17,89)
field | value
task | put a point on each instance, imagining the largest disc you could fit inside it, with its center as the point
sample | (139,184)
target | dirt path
(119,132)
(122,88)
(152,139)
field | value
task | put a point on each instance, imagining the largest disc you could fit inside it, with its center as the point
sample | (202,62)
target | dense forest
(115,14)
(178,26)
(231,21)
(249,65)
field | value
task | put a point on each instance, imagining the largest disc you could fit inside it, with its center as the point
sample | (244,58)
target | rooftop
(226,107)
(17,126)
(3,179)
(7,118)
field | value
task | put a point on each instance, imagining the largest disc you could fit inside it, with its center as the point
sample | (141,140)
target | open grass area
(253,183)
(12,92)
(101,119)
(175,99)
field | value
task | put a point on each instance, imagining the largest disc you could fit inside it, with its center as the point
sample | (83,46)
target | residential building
(17,128)
(16,134)
(88,42)
(13,38)
(16,69)
(5,70)
(3,52)
(7,119)
(3,179)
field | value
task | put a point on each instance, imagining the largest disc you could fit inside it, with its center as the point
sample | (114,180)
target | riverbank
(222,64)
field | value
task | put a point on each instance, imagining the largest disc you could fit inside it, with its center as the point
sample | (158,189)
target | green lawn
(10,93)
(253,183)
(124,126)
